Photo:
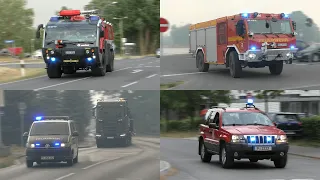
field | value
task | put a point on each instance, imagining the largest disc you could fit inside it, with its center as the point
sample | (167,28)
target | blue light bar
(245,15)
(94,18)
(39,118)
(253,48)
(283,15)
(292,47)
(249,101)
(89,59)
(53,59)
(37,144)
(56,144)
(54,19)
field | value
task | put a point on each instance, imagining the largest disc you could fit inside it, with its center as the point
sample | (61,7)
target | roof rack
(53,118)
(250,106)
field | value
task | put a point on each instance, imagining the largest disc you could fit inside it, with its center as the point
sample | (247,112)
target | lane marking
(169,75)
(136,71)
(45,87)
(65,176)
(151,76)
(92,165)
(22,80)
(122,69)
(152,66)
(130,84)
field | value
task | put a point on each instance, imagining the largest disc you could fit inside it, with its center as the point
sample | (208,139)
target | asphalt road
(183,68)
(182,155)
(138,162)
(129,74)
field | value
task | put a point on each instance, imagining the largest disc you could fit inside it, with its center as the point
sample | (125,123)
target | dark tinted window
(245,118)
(286,117)
(50,128)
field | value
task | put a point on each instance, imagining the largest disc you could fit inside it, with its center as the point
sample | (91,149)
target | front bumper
(269,55)
(58,154)
(245,151)
(109,137)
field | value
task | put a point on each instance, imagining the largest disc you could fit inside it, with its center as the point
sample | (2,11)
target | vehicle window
(286,117)
(72,127)
(50,128)
(245,118)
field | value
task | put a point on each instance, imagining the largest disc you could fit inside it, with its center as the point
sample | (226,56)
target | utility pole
(22,108)
(121,32)
(1,113)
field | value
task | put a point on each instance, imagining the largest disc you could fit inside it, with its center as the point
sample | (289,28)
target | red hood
(248,130)
(258,39)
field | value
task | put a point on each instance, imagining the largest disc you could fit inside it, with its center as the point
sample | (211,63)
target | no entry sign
(164,25)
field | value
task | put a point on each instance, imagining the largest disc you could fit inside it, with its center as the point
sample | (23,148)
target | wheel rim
(315,58)
(223,155)
(202,151)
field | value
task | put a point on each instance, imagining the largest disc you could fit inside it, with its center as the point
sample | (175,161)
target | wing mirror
(213,126)
(25,134)
(38,31)
(75,133)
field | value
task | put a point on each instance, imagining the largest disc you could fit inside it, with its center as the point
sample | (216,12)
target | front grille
(49,152)
(41,145)
(260,139)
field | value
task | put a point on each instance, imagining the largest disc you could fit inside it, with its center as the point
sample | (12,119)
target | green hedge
(311,126)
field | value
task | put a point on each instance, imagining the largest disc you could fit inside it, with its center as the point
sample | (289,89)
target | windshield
(259,26)
(245,118)
(282,118)
(50,128)
(111,111)
(71,31)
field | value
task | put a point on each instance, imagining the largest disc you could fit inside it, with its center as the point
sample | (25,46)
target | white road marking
(136,71)
(169,75)
(65,176)
(151,76)
(45,87)
(151,66)
(101,162)
(129,84)
(4,64)
(122,69)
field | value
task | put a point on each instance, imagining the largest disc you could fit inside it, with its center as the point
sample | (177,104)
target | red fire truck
(253,40)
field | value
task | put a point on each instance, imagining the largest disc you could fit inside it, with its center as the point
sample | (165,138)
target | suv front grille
(261,139)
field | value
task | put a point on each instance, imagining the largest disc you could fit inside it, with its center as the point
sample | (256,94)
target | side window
(222,33)
(217,119)
(72,127)
(211,117)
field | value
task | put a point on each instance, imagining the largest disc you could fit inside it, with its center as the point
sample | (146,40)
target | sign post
(22,108)
(164,26)
(1,113)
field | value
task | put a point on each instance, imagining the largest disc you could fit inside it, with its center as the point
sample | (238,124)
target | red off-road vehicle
(241,133)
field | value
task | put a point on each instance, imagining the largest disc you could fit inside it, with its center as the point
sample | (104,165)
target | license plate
(262,148)
(70,60)
(47,157)
(282,44)
(110,137)
(70,52)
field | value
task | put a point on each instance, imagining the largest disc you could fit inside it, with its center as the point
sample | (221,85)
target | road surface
(133,74)
(138,162)
(176,68)
(182,155)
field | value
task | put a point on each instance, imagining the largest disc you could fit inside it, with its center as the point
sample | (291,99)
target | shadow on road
(245,165)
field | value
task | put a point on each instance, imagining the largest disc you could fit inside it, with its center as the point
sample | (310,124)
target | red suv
(241,133)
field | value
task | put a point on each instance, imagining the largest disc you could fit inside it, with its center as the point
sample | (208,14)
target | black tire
(290,61)
(281,162)
(253,160)
(235,65)
(54,71)
(276,68)
(202,67)
(99,71)
(226,158)
(204,154)
(314,58)
(38,162)
(110,66)
(76,160)
(99,144)
(29,163)
(70,162)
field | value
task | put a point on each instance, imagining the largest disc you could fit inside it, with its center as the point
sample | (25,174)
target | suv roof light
(41,118)
(70,13)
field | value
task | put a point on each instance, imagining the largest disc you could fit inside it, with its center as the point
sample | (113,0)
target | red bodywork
(15,51)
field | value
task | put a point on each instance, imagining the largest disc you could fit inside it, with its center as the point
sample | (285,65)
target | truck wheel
(225,157)
(54,71)
(276,68)
(202,67)
(204,154)
(99,71)
(75,160)
(110,66)
(281,162)
(70,162)
(253,160)
(99,145)
(29,163)
(235,65)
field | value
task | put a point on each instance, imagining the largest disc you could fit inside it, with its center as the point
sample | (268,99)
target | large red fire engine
(253,40)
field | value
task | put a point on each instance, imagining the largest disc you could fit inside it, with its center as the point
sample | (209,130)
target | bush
(311,127)
(180,125)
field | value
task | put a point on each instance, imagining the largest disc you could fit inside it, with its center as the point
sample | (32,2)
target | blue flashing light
(250,101)
(39,118)
(54,19)
(292,47)
(94,18)
(245,15)
(283,15)
(269,139)
(53,59)
(253,48)
(37,144)
(56,144)
(252,139)
(89,59)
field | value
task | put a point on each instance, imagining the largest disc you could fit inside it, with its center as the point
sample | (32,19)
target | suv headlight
(237,138)
(63,145)
(32,145)
(282,139)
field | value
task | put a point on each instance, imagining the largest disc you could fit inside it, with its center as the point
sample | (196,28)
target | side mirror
(294,25)
(213,126)
(101,34)
(25,134)
(309,22)
(240,28)
(38,31)
(75,133)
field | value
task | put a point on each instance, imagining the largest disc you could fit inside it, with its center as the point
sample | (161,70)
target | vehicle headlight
(237,138)
(252,56)
(51,52)
(122,135)
(289,55)
(32,145)
(63,145)
(282,139)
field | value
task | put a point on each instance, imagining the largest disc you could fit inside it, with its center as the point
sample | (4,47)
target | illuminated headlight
(87,51)
(93,57)
(289,55)
(122,135)
(32,145)
(237,138)
(282,139)
(252,56)
(52,52)
(48,57)
(98,135)
(63,145)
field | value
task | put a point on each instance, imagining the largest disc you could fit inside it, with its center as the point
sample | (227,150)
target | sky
(44,9)
(191,11)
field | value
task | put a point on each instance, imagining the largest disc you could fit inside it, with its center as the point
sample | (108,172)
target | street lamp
(121,31)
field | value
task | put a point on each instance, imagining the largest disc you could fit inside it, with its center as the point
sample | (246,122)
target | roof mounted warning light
(70,13)
(41,118)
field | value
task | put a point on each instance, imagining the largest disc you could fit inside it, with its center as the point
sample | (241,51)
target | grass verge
(16,152)
(170,85)
(15,60)
(13,74)
(304,143)
(176,134)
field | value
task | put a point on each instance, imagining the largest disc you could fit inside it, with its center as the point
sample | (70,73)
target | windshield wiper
(257,124)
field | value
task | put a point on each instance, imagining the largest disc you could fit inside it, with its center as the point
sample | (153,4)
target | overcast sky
(44,9)
(181,12)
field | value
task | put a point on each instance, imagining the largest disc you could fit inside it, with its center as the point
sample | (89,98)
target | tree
(180,35)
(266,95)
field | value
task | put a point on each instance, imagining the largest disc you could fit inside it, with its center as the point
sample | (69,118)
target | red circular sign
(164,25)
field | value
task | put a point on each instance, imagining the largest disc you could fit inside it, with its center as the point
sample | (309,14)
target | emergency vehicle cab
(253,40)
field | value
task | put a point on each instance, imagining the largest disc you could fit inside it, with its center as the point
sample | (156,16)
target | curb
(166,168)
(306,156)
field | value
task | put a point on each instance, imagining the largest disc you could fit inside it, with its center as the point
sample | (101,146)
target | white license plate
(290,132)
(262,148)
(282,44)
(47,157)
(70,60)
(110,137)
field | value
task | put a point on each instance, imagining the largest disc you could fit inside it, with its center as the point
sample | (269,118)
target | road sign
(164,25)
(9,41)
